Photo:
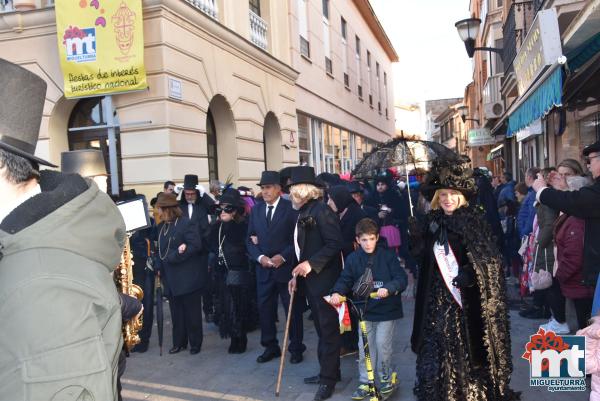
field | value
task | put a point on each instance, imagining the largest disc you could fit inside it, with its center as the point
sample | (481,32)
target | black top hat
(230,196)
(446,174)
(302,175)
(341,196)
(354,187)
(190,181)
(86,162)
(22,94)
(385,177)
(594,147)
(270,178)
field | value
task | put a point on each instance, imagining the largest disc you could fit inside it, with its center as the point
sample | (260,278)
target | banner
(101,46)
(480,137)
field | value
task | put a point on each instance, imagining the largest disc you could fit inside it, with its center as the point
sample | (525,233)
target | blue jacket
(507,193)
(526,214)
(387,273)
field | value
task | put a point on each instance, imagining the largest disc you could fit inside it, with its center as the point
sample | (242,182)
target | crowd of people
(305,240)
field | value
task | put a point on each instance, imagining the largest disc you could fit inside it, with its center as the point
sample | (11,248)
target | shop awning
(544,95)
(495,153)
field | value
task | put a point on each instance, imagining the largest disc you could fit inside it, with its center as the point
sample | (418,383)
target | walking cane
(285,340)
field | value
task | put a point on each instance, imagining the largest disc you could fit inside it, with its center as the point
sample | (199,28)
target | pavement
(213,374)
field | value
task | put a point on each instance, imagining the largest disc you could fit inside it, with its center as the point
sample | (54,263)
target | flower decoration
(307,222)
(542,341)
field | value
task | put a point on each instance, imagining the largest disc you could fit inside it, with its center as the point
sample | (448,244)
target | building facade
(223,100)
(433,109)
(344,93)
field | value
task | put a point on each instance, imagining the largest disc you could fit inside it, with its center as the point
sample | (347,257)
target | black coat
(183,273)
(277,238)
(320,241)
(233,235)
(199,216)
(584,205)
(348,226)
(393,200)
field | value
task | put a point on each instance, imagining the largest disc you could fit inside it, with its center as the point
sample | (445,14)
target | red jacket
(569,232)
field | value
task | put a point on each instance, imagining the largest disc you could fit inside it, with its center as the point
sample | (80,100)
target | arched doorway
(221,142)
(272,143)
(89,113)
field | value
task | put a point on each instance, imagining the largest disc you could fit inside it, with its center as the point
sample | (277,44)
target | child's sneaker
(387,386)
(361,392)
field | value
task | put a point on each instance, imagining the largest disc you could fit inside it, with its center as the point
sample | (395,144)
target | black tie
(269,215)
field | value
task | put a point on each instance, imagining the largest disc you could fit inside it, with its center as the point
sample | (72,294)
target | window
(328,66)
(379,107)
(377,70)
(369,60)
(304,144)
(384,79)
(358,70)
(303,28)
(344,29)
(326,9)
(589,129)
(211,147)
(360,94)
(255,6)
(357,47)
(346,80)
(327,38)
(370,100)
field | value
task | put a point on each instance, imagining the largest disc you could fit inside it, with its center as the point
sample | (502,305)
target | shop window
(211,147)
(589,130)
(304,143)
(90,113)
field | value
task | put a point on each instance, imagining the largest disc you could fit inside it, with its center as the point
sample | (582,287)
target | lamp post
(468,29)
(463,112)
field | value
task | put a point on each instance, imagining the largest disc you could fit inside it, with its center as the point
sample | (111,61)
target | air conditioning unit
(493,110)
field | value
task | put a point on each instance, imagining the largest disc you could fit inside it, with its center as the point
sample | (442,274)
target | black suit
(183,278)
(200,220)
(275,238)
(320,242)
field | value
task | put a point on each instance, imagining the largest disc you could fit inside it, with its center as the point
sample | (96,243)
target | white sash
(449,268)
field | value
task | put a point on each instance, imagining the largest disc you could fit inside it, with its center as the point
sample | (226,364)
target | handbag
(392,235)
(364,285)
(542,279)
(237,278)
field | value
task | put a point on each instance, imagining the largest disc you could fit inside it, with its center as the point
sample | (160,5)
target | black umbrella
(404,154)
(159,311)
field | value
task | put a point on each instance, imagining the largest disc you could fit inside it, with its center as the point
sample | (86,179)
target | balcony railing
(6,6)
(208,7)
(258,30)
(519,19)
(491,89)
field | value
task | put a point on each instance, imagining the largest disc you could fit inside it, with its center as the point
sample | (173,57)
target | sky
(433,61)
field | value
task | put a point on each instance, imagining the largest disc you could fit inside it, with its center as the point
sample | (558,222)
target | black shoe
(316,379)
(296,358)
(242,344)
(233,346)
(175,350)
(194,350)
(270,353)
(324,392)
(141,347)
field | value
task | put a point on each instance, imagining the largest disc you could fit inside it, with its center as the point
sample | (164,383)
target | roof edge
(368,14)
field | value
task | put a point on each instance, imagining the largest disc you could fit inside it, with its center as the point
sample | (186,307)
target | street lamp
(463,112)
(468,29)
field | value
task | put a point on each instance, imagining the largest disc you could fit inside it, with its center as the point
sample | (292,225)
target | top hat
(341,196)
(269,178)
(446,174)
(594,147)
(385,177)
(354,187)
(22,94)
(166,200)
(190,181)
(85,162)
(302,175)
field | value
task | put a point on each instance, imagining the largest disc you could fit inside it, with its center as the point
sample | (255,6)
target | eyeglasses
(588,159)
(227,209)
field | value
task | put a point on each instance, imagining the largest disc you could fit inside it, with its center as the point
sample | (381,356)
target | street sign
(480,137)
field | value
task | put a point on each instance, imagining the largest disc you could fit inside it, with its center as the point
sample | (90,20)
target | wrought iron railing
(520,16)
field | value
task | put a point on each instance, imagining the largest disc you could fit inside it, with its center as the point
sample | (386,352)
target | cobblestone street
(214,374)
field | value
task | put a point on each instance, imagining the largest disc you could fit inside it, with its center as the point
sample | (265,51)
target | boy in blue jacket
(382,313)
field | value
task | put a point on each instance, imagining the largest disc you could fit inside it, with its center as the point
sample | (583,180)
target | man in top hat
(88,163)
(195,205)
(582,204)
(358,195)
(318,246)
(61,240)
(271,244)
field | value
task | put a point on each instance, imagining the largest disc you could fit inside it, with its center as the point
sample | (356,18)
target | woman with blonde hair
(461,332)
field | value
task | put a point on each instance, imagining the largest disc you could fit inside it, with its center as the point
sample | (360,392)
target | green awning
(545,97)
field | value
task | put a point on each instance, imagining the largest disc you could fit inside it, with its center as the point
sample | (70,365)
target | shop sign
(541,48)
(100,46)
(175,89)
(480,137)
(533,129)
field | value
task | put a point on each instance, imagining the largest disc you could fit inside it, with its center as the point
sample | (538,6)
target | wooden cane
(285,340)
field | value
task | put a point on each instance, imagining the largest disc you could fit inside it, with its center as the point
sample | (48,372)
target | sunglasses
(227,209)
(588,159)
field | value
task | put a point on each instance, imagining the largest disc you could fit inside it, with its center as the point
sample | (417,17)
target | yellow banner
(101,46)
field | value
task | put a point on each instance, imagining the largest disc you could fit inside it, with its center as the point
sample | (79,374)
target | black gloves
(465,277)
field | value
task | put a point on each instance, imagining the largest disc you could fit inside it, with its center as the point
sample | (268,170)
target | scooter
(374,393)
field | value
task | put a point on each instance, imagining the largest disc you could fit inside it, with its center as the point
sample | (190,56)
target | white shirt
(21,199)
(272,214)
(190,210)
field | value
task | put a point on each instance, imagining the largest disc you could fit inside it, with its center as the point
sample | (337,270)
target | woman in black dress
(179,246)
(233,277)
(461,330)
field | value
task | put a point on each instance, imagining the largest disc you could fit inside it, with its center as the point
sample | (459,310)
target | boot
(233,347)
(242,343)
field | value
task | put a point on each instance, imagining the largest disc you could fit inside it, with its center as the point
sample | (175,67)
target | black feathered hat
(447,174)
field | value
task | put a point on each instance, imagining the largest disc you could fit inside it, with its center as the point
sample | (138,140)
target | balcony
(208,7)
(519,19)
(7,6)
(258,30)
(493,105)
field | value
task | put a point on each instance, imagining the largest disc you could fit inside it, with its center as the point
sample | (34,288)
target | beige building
(222,99)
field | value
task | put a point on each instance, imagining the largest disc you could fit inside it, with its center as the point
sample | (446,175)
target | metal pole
(107,107)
